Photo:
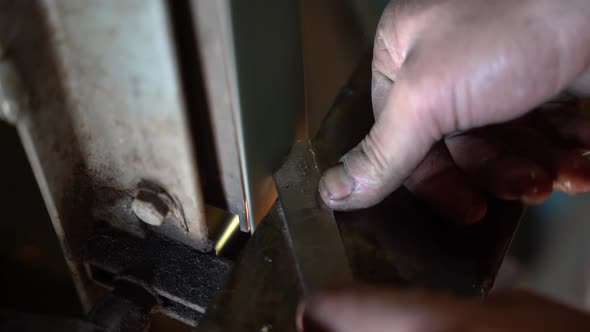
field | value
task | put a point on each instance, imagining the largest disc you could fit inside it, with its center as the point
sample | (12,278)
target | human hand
(383,310)
(443,68)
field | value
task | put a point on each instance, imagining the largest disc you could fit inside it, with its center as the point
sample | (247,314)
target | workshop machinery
(163,133)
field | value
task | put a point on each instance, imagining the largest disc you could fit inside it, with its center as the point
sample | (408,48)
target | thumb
(397,143)
(458,75)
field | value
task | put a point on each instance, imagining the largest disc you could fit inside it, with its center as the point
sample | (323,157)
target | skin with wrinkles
(457,89)
(443,68)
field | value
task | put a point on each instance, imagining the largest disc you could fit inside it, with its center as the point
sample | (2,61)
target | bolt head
(150,207)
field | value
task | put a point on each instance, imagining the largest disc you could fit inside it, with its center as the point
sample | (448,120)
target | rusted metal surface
(104,113)
(251,59)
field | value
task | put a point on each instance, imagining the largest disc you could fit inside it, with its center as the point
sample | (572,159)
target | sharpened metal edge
(320,257)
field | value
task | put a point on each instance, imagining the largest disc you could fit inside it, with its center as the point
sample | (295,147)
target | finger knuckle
(376,160)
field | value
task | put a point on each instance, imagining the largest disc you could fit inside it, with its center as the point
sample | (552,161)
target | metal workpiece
(401,241)
(349,118)
(105,110)
(251,58)
(183,280)
(264,287)
(312,233)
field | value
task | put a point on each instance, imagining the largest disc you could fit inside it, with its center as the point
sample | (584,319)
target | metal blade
(320,256)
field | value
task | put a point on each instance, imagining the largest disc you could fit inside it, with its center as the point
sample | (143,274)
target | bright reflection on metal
(231,227)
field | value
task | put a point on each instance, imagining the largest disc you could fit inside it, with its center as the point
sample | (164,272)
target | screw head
(152,204)
(150,208)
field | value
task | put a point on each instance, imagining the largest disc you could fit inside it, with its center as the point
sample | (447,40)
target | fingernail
(336,184)
(526,186)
